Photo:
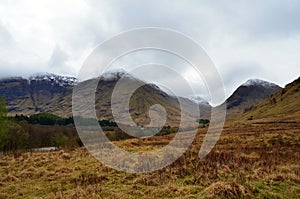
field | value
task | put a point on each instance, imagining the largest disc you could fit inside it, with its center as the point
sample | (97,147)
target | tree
(60,140)
(12,136)
(4,134)
(203,121)
(17,138)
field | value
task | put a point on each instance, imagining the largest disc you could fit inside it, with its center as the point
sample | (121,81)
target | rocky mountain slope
(53,94)
(249,93)
(39,93)
(285,103)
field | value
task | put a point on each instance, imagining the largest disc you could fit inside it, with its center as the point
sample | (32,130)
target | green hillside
(285,102)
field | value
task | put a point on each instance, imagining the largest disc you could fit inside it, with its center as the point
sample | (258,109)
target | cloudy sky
(245,39)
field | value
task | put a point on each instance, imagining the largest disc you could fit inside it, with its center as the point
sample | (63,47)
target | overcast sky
(245,39)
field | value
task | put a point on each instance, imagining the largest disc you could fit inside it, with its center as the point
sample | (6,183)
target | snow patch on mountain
(259,82)
(116,74)
(62,80)
(198,100)
(113,74)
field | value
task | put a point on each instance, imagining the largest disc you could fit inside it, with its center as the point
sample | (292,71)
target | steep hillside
(53,94)
(249,93)
(39,93)
(284,103)
(140,102)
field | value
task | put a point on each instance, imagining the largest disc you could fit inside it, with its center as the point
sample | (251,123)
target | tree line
(51,119)
(47,130)
(35,131)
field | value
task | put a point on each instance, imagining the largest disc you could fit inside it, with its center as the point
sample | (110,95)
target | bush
(17,138)
(60,140)
(4,134)
(203,121)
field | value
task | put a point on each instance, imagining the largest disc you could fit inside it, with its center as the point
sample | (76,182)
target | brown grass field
(252,159)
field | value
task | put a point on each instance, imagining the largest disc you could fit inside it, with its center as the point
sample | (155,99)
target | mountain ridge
(48,92)
(247,94)
(285,102)
(53,94)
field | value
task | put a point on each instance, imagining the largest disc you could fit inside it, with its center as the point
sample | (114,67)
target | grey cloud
(259,20)
(6,38)
(275,19)
(233,33)
(234,74)
(238,71)
(58,58)
(24,70)
(254,20)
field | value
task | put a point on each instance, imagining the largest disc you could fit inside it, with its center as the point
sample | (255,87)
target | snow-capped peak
(115,74)
(199,100)
(258,82)
(63,80)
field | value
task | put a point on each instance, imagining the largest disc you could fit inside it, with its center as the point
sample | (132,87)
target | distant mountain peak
(258,82)
(249,93)
(199,100)
(63,80)
(285,102)
(46,74)
(113,74)
(46,92)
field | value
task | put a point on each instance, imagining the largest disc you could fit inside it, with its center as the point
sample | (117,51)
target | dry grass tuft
(66,156)
(10,178)
(226,190)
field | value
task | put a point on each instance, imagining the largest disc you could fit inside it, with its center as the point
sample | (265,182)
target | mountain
(140,101)
(39,93)
(249,93)
(284,104)
(199,100)
(53,94)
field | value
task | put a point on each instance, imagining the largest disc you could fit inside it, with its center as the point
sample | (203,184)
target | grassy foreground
(252,159)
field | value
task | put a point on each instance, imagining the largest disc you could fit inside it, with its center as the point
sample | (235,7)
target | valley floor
(252,159)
